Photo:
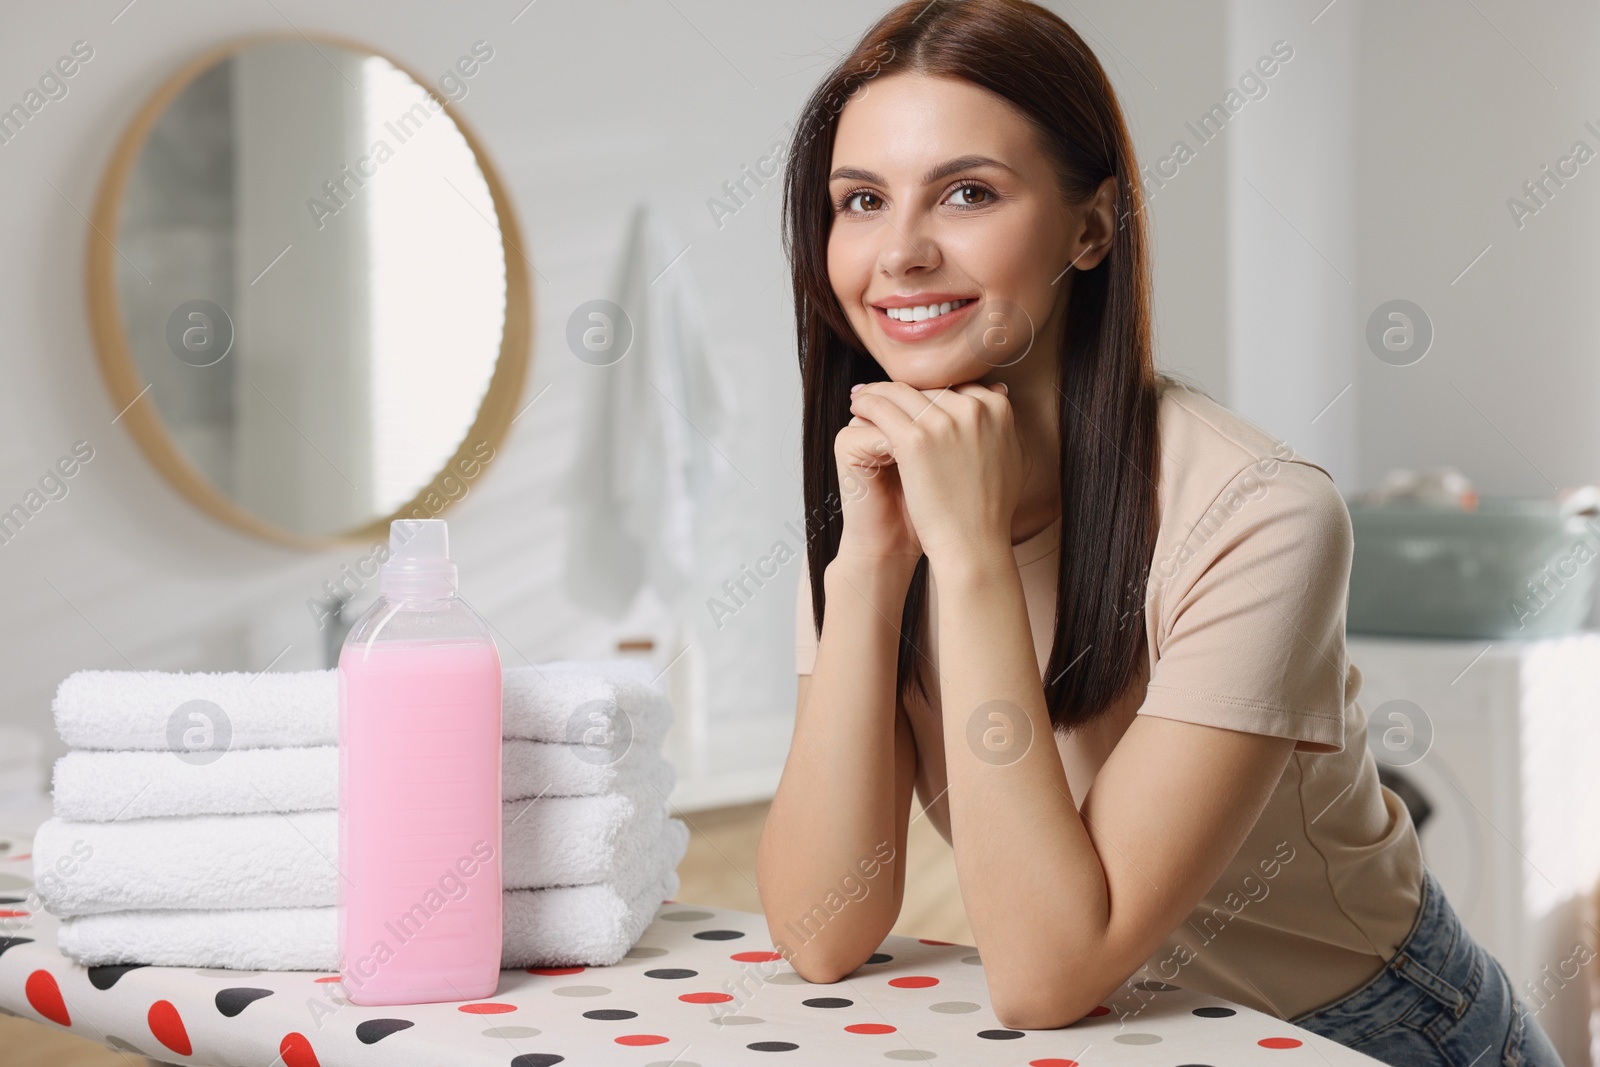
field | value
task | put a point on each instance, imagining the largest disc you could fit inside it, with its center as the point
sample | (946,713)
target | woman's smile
(922,320)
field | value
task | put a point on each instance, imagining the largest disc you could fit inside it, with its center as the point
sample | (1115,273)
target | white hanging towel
(649,449)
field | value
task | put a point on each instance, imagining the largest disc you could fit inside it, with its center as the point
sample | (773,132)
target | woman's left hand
(961,460)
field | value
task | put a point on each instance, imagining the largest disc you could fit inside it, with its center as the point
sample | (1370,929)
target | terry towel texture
(557,701)
(272,860)
(107,786)
(586,925)
(233,862)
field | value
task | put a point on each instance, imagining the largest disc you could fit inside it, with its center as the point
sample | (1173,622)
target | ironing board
(702,988)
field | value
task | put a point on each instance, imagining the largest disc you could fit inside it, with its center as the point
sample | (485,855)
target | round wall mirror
(307,291)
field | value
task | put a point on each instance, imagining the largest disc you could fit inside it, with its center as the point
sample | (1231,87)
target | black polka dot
(1214,1012)
(1000,1035)
(719,935)
(13,900)
(231,1002)
(536,1059)
(879,957)
(827,1002)
(374,1030)
(610,1014)
(106,977)
(772,1046)
(670,972)
(12,942)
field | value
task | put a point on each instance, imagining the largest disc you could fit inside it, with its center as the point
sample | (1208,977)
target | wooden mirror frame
(127,388)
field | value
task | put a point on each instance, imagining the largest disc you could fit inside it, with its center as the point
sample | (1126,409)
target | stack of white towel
(231,861)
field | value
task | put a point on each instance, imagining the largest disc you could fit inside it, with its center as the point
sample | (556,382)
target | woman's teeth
(926,311)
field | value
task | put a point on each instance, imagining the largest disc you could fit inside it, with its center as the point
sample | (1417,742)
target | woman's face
(915,225)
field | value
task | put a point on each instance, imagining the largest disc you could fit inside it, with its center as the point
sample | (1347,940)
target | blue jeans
(1441,1001)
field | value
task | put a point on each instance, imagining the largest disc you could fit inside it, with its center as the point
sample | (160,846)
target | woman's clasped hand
(944,469)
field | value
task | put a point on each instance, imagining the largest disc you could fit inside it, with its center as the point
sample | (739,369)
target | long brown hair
(1031,58)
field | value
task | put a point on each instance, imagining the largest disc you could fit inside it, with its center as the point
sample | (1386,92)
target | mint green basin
(1513,568)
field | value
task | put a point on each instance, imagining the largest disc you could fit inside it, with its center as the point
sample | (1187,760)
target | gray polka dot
(512,1031)
(1138,1039)
(1155,987)
(953,1007)
(909,1054)
(644,952)
(788,978)
(975,961)
(686,916)
(219,972)
(735,1020)
(581,991)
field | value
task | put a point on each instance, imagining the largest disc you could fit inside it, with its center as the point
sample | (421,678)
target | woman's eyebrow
(942,170)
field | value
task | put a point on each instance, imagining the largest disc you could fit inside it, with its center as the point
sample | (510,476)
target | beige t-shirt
(1245,630)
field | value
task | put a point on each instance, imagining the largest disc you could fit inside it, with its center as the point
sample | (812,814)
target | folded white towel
(588,925)
(107,786)
(539,702)
(290,860)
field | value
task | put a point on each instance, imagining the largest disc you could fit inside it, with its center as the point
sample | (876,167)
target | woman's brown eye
(978,189)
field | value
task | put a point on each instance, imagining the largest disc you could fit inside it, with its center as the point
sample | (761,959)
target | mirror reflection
(313,282)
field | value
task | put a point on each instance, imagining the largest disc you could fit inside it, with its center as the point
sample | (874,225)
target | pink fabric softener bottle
(419,786)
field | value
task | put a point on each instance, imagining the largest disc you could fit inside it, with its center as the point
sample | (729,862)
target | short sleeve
(805,626)
(1250,610)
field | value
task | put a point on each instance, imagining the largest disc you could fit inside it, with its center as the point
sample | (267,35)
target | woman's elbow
(823,968)
(1043,1006)
(820,972)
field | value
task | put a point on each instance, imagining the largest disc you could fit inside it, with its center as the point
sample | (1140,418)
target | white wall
(1292,252)
(1458,105)
(1382,153)
(123,572)
(584,108)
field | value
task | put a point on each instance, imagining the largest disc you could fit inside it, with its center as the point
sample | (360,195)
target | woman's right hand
(877,527)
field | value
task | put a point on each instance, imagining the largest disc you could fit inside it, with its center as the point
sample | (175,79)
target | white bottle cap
(419,564)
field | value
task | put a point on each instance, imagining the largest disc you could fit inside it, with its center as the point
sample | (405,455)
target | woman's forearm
(827,866)
(1018,836)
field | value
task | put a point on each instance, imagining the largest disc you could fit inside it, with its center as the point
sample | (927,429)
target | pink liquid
(419,821)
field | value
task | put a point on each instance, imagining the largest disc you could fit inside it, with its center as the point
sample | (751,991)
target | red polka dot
(705,998)
(931,941)
(756,957)
(1279,1042)
(641,1039)
(296,1051)
(330,978)
(487,1009)
(555,971)
(914,981)
(24,856)
(167,1025)
(6,913)
(45,996)
(869,1028)
(1098,1010)
(1053,1062)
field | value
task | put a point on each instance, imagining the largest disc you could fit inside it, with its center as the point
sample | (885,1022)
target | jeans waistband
(1432,937)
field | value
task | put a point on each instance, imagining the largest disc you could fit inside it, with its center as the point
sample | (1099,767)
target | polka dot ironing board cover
(702,988)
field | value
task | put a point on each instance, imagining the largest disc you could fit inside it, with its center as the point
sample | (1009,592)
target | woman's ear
(1098,222)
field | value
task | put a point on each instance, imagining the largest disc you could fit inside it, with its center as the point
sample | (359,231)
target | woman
(1033,566)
